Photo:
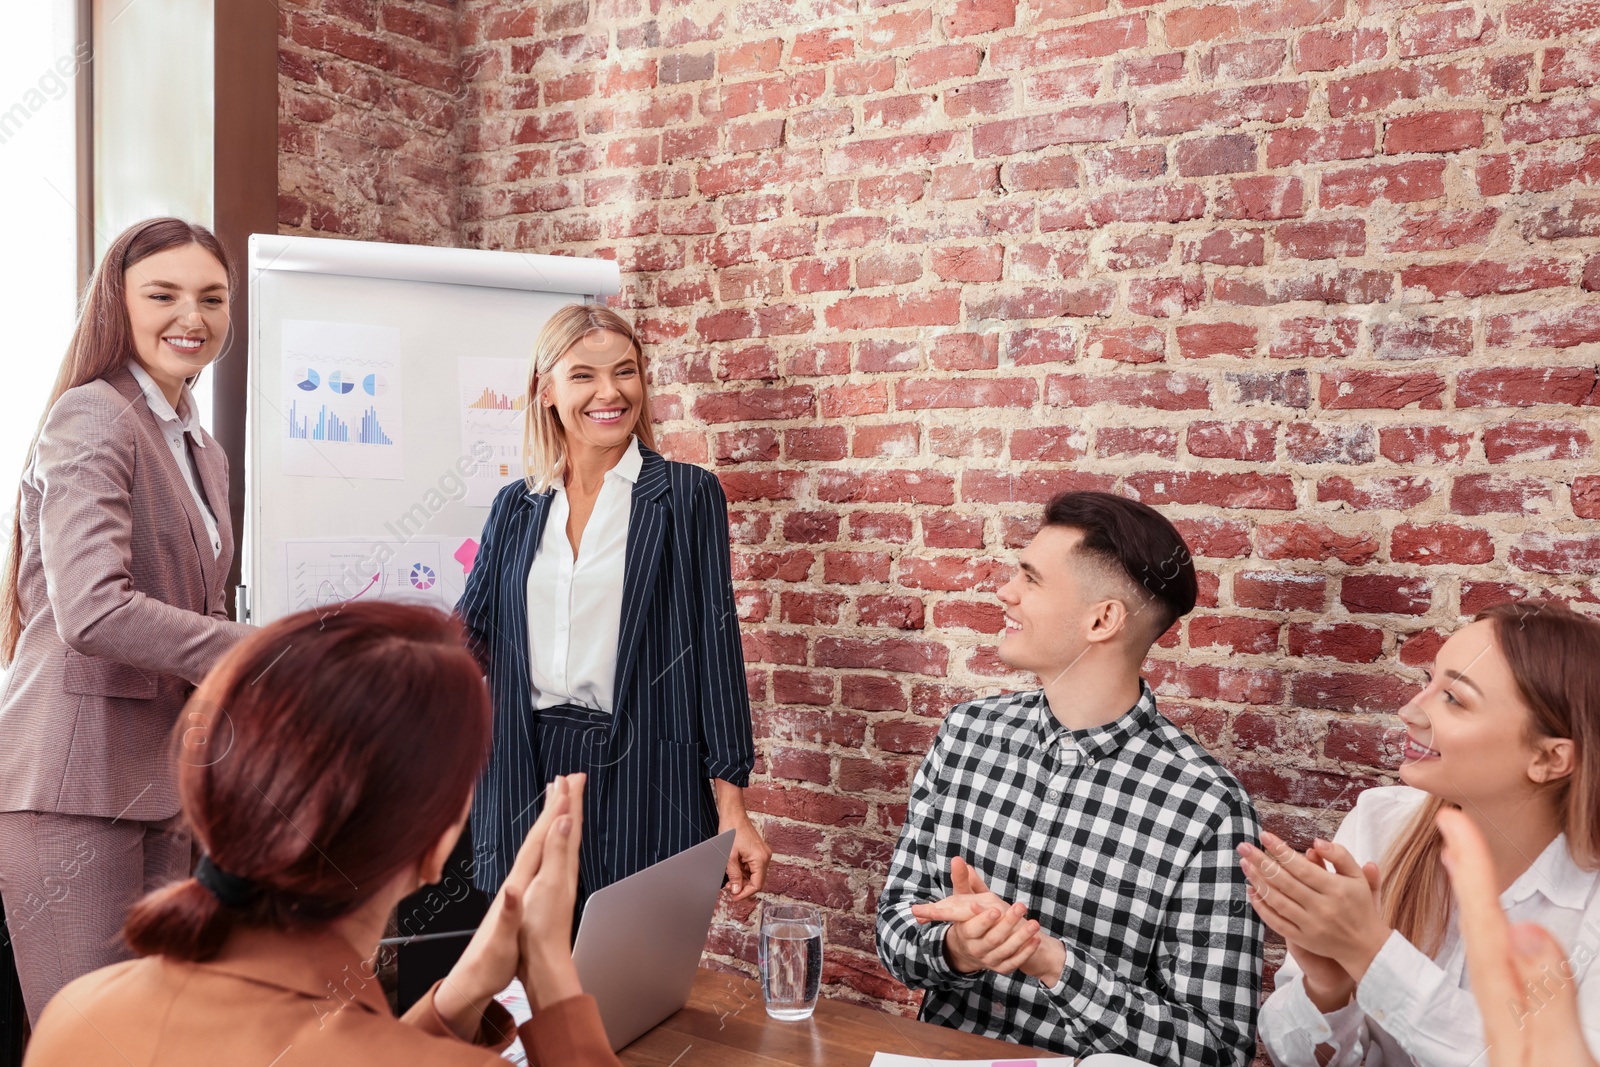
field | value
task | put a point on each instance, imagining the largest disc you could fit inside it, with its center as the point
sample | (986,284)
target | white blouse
(562,591)
(173,428)
(1409,1009)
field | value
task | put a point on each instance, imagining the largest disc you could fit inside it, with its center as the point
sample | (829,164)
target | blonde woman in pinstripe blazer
(111,609)
(601,607)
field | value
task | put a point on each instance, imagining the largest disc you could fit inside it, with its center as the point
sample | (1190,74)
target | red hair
(102,342)
(322,756)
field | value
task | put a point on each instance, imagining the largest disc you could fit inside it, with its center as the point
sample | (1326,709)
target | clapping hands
(988,934)
(527,933)
(1330,918)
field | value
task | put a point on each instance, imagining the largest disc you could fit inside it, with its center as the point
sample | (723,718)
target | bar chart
(342,400)
(494,401)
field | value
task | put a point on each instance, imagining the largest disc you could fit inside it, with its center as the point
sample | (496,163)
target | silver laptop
(640,940)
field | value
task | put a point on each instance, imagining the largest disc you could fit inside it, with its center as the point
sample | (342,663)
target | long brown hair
(1554,656)
(321,756)
(102,342)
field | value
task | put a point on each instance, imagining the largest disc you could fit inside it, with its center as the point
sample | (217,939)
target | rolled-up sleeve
(727,740)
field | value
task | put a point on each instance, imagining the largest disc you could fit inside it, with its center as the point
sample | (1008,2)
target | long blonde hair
(1554,655)
(544,440)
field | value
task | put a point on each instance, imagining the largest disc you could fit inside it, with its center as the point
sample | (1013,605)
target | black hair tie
(230,890)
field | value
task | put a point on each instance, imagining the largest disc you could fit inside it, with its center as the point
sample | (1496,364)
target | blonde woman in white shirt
(601,607)
(1508,731)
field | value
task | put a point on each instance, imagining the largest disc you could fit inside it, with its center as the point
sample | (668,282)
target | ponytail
(183,920)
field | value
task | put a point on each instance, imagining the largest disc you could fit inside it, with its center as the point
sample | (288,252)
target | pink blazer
(122,608)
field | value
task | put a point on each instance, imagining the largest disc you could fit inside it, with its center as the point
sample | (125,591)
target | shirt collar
(627,467)
(162,408)
(1098,742)
(319,964)
(1556,875)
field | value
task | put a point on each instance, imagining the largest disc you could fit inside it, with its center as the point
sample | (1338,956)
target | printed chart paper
(494,394)
(323,574)
(1099,1059)
(340,400)
(885,1059)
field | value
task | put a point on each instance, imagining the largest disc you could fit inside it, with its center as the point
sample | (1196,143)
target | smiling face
(1052,603)
(1469,734)
(596,391)
(178,309)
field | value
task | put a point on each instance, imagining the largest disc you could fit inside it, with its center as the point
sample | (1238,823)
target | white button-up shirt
(173,427)
(1412,1009)
(586,593)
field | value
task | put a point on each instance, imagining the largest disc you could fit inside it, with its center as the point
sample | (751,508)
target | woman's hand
(1506,962)
(748,862)
(546,968)
(491,957)
(1332,914)
(1326,983)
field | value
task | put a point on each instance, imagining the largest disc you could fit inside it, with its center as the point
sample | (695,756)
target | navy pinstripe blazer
(682,712)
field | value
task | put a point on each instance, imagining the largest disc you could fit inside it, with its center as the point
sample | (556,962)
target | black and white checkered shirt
(1119,839)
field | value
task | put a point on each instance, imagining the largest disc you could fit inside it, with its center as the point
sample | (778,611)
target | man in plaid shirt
(1066,875)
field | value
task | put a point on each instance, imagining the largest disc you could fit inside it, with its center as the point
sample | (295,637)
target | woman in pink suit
(111,609)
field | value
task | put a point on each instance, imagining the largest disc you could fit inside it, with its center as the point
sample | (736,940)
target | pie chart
(374,385)
(306,378)
(340,381)
(422,576)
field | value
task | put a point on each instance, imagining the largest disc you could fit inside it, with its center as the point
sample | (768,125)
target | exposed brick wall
(1311,276)
(369,105)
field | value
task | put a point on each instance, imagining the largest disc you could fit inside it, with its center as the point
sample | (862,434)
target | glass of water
(790,950)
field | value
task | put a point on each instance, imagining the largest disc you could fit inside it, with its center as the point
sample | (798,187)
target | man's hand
(985,933)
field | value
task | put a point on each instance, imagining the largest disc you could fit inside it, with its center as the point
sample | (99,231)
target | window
(38,184)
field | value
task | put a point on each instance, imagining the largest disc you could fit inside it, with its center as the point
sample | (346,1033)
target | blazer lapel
(214,484)
(647,528)
(526,530)
(126,384)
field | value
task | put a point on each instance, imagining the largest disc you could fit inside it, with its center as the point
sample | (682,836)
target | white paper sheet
(340,400)
(515,1000)
(494,394)
(886,1059)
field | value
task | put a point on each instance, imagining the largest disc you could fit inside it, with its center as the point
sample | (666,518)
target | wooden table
(726,1025)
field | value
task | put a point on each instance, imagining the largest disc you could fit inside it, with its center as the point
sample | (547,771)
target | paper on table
(514,999)
(885,1059)
(1099,1059)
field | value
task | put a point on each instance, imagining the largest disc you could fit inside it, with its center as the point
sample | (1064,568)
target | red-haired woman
(327,773)
(111,607)
(1508,732)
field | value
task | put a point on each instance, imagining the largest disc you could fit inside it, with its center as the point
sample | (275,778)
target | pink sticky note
(466,554)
